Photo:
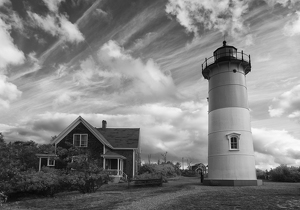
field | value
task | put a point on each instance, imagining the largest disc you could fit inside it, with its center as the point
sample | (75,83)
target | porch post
(118,167)
(121,161)
(40,163)
(103,163)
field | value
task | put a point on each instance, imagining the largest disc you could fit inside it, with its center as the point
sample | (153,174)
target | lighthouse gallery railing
(218,57)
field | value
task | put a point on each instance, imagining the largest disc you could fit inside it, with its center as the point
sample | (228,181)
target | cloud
(287,103)
(125,79)
(58,25)
(2,2)
(9,52)
(65,98)
(284,3)
(180,130)
(275,147)
(53,5)
(292,27)
(8,92)
(39,128)
(225,16)
(139,79)
(90,73)
(70,31)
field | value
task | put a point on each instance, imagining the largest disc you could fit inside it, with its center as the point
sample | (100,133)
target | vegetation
(19,175)
(282,173)
(156,171)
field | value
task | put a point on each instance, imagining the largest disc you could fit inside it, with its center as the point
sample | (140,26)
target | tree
(189,162)
(1,138)
(149,159)
(164,157)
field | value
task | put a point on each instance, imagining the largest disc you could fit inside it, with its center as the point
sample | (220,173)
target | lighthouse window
(233,143)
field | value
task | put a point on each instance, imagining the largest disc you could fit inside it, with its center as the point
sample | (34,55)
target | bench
(145,182)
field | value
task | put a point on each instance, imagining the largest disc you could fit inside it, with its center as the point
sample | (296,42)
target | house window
(51,162)
(233,141)
(80,140)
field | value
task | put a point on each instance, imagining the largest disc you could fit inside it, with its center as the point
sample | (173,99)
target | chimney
(104,123)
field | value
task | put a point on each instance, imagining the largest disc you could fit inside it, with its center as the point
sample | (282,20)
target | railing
(124,176)
(114,172)
(225,57)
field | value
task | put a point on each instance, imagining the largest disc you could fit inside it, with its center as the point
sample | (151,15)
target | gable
(125,138)
(74,124)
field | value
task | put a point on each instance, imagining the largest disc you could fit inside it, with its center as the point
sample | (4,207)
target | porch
(113,164)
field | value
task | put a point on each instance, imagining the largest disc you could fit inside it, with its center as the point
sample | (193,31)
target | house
(116,148)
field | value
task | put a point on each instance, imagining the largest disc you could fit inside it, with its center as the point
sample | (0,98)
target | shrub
(148,175)
(189,173)
(166,169)
(85,182)
(260,174)
(283,173)
(44,183)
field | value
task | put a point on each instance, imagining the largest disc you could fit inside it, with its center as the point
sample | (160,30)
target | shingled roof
(121,137)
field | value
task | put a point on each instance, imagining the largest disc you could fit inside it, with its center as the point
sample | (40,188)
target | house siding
(128,166)
(94,145)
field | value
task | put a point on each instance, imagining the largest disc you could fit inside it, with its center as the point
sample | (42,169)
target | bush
(189,173)
(85,182)
(30,182)
(283,173)
(167,170)
(148,175)
(260,174)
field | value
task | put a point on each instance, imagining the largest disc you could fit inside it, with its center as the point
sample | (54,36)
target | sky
(137,64)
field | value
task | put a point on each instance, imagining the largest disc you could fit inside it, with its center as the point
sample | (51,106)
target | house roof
(114,138)
(93,130)
(125,138)
(110,154)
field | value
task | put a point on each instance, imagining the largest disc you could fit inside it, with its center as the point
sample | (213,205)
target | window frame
(80,139)
(230,138)
(48,161)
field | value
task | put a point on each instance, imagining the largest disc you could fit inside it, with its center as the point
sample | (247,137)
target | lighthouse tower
(230,146)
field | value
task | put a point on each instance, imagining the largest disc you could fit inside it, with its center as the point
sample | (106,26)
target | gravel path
(153,202)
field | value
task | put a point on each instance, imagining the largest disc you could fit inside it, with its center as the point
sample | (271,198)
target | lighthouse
(231,159)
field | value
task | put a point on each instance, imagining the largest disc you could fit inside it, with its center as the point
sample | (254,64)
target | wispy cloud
(59,26)
(225,16)
(131,78)
(53,5)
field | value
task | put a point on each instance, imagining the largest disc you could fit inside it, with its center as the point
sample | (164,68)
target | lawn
(181,193)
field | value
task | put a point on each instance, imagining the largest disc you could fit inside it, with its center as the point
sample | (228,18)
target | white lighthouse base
(215,182)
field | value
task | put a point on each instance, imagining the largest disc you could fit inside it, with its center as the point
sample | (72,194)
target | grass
(187,193)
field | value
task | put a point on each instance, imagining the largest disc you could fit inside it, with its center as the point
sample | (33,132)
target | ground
(179,193)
